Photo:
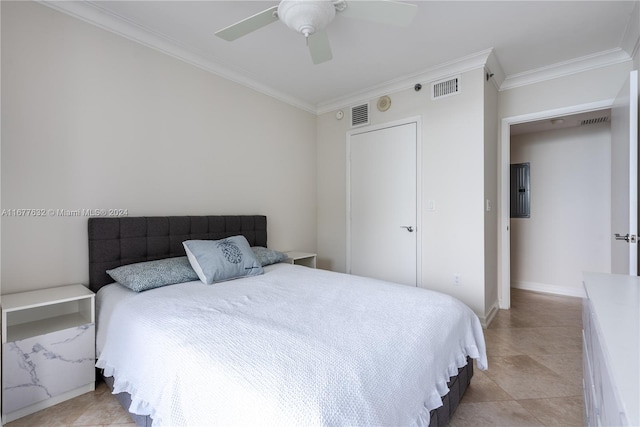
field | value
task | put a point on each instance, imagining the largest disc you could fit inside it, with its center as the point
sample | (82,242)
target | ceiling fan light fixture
(306,16)
(311,17)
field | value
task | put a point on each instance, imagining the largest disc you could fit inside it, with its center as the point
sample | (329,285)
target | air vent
(444,88)
(594,121)
(360,115)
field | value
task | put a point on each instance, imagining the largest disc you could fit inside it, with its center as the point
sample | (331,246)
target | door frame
(372,128)
(629,93)
(504,233)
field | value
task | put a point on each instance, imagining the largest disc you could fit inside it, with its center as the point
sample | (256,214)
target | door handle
(626,238)
(408,227)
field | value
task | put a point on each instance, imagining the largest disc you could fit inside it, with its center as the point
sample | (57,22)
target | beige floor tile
(565,411)
(483,389)
(536,318)
(102,414)
(566,365)
(63,414)
(530,309)
(524,378)
(507,413)
(542,340)
(499,345)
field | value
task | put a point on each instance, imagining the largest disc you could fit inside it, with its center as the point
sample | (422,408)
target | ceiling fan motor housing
(306,16)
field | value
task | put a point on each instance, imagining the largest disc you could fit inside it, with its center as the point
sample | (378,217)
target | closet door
(382,218)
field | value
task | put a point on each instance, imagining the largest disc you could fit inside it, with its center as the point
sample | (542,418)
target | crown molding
(494,67)
(95,15)
(467,63)
(631,40)
(566,68)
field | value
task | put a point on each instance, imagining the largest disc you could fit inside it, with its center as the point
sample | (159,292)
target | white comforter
(293,347)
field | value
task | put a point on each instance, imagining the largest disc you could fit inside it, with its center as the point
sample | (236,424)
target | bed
(289,345)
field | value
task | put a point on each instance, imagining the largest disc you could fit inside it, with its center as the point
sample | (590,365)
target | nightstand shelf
(301,258)
(48,348)
(45,326)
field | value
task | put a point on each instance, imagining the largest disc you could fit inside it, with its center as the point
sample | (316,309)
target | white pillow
(219,260)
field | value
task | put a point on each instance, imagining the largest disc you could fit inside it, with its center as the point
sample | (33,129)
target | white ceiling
(528,38)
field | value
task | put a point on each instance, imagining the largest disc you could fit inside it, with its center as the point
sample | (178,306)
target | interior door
(382,241)
(624,179)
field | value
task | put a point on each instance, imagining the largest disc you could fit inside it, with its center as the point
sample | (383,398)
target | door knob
(626,238)
(408,227)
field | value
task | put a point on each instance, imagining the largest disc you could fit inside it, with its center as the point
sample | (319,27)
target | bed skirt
(439,417)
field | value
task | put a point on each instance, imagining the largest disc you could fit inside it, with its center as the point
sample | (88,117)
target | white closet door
(383,204)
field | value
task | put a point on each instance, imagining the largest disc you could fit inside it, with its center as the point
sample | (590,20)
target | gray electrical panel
(520,191)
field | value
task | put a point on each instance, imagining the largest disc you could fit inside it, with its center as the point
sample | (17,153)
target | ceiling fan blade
(381,11)
(319,47)
(249,24)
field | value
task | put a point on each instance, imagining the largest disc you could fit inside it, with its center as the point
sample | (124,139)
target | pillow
(268,256)
(143,276)
(218,260)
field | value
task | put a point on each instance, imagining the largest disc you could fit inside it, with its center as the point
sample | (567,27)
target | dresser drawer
(611,330)
(590,408)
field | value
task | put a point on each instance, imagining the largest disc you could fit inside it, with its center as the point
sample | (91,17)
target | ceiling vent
(360,115)
(586,122)
(443,88)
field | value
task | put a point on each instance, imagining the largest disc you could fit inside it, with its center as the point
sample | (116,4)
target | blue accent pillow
(268,256)
(143,276)
(218,260)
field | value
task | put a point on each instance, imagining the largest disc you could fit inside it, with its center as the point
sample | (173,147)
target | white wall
(570,225)
(590,86)
(453,175)
(93,120)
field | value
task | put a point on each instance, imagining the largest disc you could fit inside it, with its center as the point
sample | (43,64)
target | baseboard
(487,319)
(550,289)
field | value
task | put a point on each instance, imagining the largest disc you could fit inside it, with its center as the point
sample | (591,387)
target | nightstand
(301,258)
(48,348)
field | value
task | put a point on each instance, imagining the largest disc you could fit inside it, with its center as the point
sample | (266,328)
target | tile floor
(534,376)
(535,366)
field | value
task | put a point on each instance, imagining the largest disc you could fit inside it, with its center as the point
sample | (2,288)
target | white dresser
(611,350)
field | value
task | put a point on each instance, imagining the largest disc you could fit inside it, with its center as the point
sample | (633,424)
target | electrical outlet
(457,279)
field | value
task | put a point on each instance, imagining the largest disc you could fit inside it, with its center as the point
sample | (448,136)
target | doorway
(504,231)
(568,228)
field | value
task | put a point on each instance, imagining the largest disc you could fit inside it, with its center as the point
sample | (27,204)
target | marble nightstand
(48,348)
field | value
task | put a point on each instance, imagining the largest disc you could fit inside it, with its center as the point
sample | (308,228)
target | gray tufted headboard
(126,240)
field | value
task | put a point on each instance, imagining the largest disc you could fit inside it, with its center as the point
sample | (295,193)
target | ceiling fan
(311,17)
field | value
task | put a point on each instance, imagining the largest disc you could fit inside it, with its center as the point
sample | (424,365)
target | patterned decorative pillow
(143,276)
(219,260)
(268,256)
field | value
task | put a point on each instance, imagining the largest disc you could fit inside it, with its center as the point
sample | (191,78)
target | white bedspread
(293,347)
